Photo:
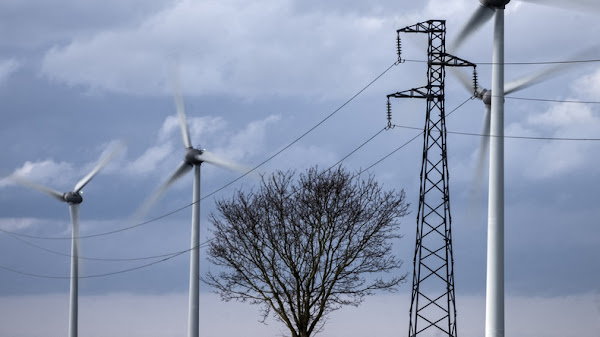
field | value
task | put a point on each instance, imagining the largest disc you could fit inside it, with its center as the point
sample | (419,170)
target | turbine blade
(527,81)
(480,16)
(484,145)
(465,81)
(25,182)
(478,182)
(181,170)
(546,73)
(185,132)
(85,180)
(216,160)
(579,5)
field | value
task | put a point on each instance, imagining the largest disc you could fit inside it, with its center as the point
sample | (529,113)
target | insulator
(389,113)
(399,47)
(475,84)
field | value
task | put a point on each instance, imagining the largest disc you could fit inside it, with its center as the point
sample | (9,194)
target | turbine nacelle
(486,96)
(193,156)
(73,198)
(493,4)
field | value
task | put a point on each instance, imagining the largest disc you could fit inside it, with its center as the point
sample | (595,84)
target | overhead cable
(93,258)
(551,100)
(224,186)
(172,255)
(509,137)
(521,63)
(412,139)
(103,274)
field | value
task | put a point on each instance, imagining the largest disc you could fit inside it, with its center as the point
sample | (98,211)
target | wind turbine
(485,95)
(192,159)
(494,318)
(73,199)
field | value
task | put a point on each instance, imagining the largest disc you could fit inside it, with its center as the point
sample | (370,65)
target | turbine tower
(494,317)
(193,158)
(433,307)
(73,199)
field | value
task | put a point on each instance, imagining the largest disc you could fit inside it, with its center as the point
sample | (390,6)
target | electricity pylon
(433,299)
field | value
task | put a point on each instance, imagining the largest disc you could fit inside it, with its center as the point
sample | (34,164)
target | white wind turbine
(494,318)
(485,96)
(74,199)
(192,160)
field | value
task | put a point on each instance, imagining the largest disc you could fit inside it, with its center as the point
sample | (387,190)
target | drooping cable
(93,258)
(521,63)
(551,100)
(412,139)
(168,257)
(103,274)
(224,186)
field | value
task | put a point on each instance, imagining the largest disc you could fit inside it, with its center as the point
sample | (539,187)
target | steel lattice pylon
(433,308)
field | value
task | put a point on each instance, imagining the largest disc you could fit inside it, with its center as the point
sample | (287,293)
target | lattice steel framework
(433,308)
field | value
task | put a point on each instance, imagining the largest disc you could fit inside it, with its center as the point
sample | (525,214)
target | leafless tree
(302,248)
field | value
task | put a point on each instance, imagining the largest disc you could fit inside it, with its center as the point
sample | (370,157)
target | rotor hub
(494,4)
(486,96)
(73,198)
(192,156)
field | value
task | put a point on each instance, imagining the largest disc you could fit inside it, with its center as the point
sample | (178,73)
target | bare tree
(304,248)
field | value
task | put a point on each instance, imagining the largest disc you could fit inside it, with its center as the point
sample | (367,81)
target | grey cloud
(31,24)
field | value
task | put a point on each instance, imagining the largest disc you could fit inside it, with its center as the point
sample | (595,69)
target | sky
(79,77)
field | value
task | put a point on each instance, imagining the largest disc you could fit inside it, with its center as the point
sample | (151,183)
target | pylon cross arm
(421,92)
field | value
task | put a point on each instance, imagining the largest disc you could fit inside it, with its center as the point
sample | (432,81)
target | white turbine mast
(486,9)
(73,199)
(192,160)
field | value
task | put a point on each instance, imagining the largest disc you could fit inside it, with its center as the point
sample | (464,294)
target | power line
(92,258)
(296,140)
(358,148)
(520,63)
(509,137)
(98,234)
(88,276)
(167,256)
(543,62)
(175,254)
(103,274)
(412,139)
(172,255)
(224,186)
(307,132)
(14,235)
(526,137)
(391,153)
(551,100)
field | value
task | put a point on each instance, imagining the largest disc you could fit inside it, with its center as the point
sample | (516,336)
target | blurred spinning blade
(85,180)
(212,158)
(478,184)
(179,106)
(144,209)
(480,16)
(27,183)
(580,5)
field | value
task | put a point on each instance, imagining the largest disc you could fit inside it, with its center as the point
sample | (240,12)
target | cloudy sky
(78,77)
